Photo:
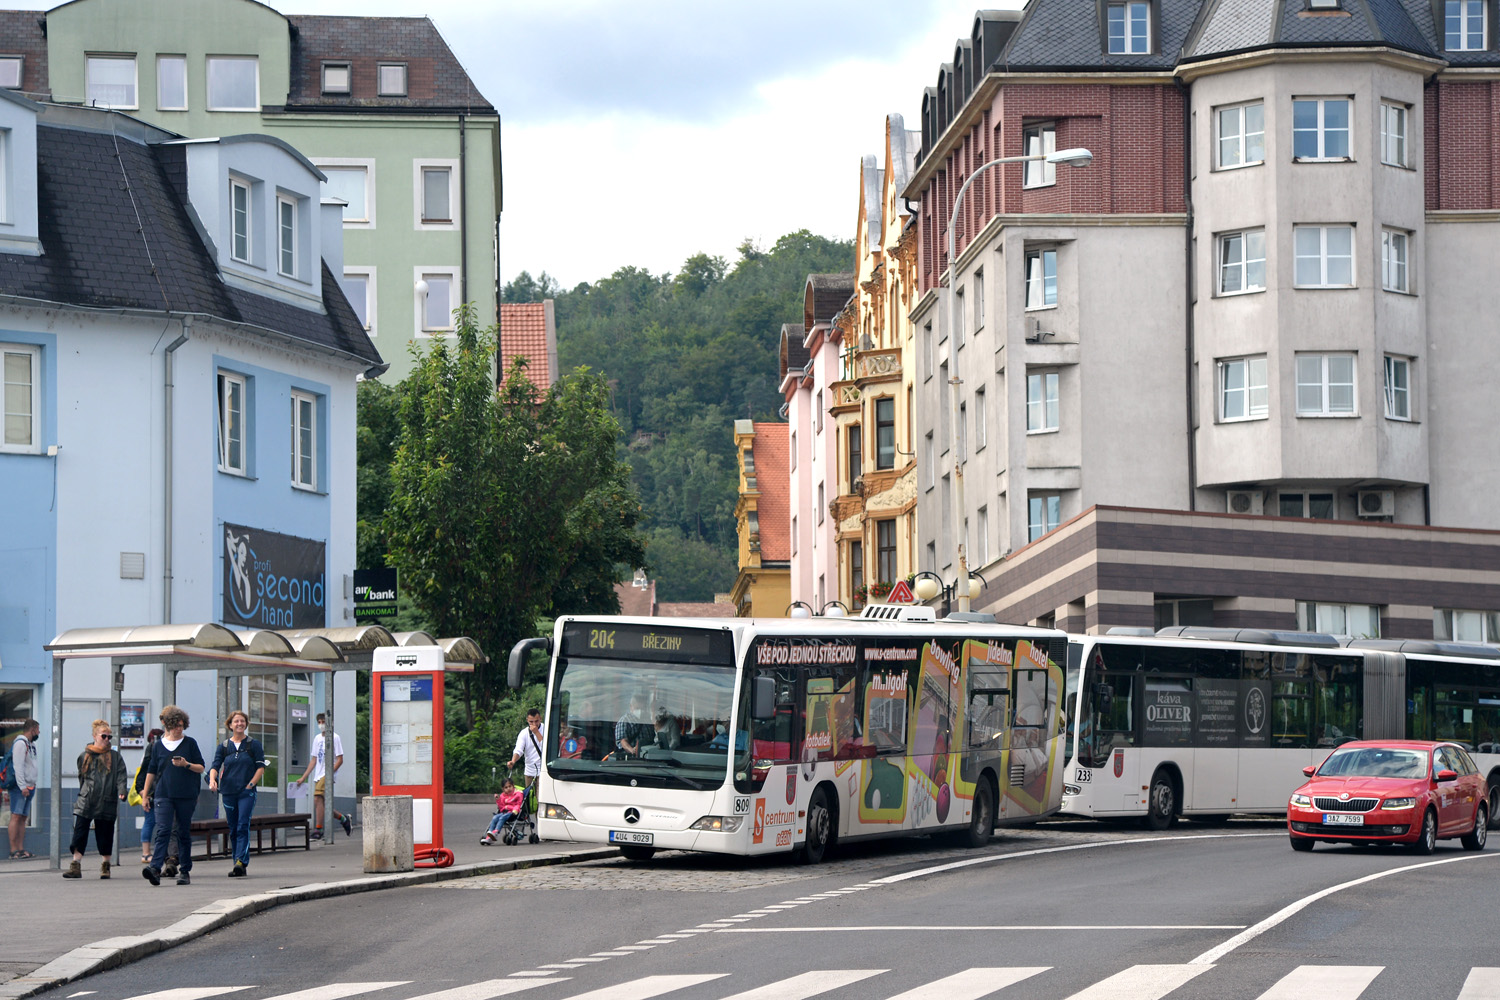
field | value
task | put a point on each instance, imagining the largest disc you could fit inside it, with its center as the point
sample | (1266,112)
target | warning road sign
(901,594)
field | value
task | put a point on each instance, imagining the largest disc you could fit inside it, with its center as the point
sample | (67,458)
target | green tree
(378,412)
(505,505)
(524,288)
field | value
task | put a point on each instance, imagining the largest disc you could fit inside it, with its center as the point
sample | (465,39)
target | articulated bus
(746,736)
(1205,722)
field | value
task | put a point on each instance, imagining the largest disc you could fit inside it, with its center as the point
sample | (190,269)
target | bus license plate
(629,837)
(1343,819)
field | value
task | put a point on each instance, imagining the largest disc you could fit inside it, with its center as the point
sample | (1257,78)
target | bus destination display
(639,643)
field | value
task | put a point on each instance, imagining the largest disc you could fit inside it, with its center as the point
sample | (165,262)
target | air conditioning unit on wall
(1246,502)
(1376,503)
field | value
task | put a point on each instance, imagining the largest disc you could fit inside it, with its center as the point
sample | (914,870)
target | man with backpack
(21,773)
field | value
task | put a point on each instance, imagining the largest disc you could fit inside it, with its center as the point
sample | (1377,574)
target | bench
(211,828)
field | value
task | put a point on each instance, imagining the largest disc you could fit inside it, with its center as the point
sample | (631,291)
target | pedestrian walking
(102,784)
(148,824)
(317,770)
(529,747)
(238,765)
(20,785)
(172,785)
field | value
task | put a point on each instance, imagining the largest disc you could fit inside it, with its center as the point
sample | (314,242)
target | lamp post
(1073,158)
(928,585)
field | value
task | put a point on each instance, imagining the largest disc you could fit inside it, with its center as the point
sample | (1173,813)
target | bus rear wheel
(819,829)
(1161,802)
(982,819)
(637,852)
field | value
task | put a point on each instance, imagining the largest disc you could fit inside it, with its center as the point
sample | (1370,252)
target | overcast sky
(644,132)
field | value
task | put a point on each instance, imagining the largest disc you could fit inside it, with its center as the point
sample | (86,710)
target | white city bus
(1205,722)
(752,736)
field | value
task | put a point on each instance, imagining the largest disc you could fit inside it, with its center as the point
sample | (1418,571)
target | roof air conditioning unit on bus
(1377,503)
(1246,502)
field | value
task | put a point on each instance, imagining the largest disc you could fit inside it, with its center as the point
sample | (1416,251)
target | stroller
(522,827)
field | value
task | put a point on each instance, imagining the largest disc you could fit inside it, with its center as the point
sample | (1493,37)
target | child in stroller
(509,804)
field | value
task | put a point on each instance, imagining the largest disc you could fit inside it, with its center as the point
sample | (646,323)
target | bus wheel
(637,852)
(982,820)
(1161,803)
(819,829)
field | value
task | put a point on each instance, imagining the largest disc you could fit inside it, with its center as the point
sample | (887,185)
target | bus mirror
(1104,698)
(763,699)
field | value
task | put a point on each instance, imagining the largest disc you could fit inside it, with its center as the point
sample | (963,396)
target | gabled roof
(435,79)
(794,353)
(773,480)
(116,235)
(527,330)
(21,34)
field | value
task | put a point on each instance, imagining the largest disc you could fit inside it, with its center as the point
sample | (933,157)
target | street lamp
(928,585)
(799,609)
(1073,158)
(835,609)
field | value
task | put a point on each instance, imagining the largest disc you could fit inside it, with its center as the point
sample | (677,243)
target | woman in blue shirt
(238,765)
(171,790)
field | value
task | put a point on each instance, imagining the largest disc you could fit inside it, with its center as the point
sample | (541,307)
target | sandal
(21,855)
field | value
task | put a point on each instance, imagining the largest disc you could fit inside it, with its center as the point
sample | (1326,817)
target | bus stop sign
(901,594)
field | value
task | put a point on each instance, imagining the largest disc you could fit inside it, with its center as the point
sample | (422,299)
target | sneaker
(182,879)
(486,840)
(317,835)
(238,871)
(151,875)
(348,827)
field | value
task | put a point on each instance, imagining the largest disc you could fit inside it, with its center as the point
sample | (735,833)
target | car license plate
(1343,819)
(629,837)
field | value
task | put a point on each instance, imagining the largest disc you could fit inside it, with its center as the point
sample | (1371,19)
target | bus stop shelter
(232,653)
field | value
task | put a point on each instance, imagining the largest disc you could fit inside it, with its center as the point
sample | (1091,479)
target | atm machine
(299,702)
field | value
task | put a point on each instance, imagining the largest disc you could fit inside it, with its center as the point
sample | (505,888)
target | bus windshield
(656,724)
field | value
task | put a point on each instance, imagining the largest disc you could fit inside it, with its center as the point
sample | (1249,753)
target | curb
(112,952)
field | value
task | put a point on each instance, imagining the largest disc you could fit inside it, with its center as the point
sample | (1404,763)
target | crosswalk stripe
(489,988)
(809,984)
(1483,984)
(971,984)
(1141,982)
(337,991)
(189,993)
(647,987)
(1323,982)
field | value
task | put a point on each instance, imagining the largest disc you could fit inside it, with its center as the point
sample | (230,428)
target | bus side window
(1291,700)
(1114,727)
(886,709)
(774,738)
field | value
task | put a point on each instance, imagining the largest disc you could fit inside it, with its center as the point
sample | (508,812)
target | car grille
(1351,831)
(1333,805)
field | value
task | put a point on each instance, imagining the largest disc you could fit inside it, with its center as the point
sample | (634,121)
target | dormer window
(1129,28)
(336,77)
(286,236)
(1463,25)
(10,71)
(239,221)
(1322,4)
(391,80)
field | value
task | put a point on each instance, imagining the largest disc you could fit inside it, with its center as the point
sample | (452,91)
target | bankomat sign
(273,580)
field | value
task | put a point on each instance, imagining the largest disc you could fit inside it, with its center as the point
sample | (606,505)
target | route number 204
(601,638)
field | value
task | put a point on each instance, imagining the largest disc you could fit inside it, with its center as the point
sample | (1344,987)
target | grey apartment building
(1238,370)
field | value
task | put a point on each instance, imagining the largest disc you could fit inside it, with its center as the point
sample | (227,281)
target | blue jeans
(148,827)
(499,821)
(167,810)
(237,809)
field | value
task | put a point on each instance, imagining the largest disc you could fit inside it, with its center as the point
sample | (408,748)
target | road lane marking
(647,987)
(809,984)
(1256,930)
(189,993)
(971,984)
(841,929)
(489,988)
(1141,982)
(337,991)
(1323,982)
(1483,984)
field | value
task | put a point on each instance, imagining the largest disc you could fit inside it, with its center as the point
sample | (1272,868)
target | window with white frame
(1453,625)
(1242,262)
(351,181)
(239,220)
(1360,621)
(304,441)
(1393,134)
(337,77)
(1397,387)
(1044,514)
(233,83)
(1129,28)
(1039,140)
(286,236)
(10,71)
(1242,135)
(110,81)
(1393,270)
(979,300)
(1325,385)
(437,304)
(359,287)
(20,371)
(435,194)
(958,319)
(1314,506)
(1243,390)
(233,446)
(1320,128)
(1463,25)
(1041,402)
(171,83)
(390,79)
(1041,279)
(980,432)
(1324,256)
(982,540)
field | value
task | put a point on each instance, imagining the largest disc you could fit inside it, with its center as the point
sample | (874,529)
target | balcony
(877,366)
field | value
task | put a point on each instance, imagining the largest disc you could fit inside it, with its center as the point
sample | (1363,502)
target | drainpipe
(1187,285)
(166,538)
(463,210)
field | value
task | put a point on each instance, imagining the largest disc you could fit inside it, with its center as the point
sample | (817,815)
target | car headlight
(553,811)
(1072,790)
(718,824)
(1398,803)
(1298,799)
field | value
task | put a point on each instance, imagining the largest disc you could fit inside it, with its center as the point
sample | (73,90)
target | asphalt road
(1066,910)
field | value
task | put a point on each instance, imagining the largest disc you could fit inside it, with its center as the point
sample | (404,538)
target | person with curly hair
(171,790)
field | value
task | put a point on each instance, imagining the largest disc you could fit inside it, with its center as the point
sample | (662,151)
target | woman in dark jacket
(102,784)
(238,764)
(172,785)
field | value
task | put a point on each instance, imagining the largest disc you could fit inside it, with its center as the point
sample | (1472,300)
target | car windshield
(1374,762)
(640,722)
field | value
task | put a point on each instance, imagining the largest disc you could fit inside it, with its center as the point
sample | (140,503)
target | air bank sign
(272,580)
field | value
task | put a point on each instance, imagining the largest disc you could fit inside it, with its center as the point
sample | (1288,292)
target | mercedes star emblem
(632,815)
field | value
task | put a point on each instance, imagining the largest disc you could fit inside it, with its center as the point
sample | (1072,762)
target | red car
(1395,792)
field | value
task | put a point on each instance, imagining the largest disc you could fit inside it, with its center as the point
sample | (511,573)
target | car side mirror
(763,699)
(1447,776)
(1310,770)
